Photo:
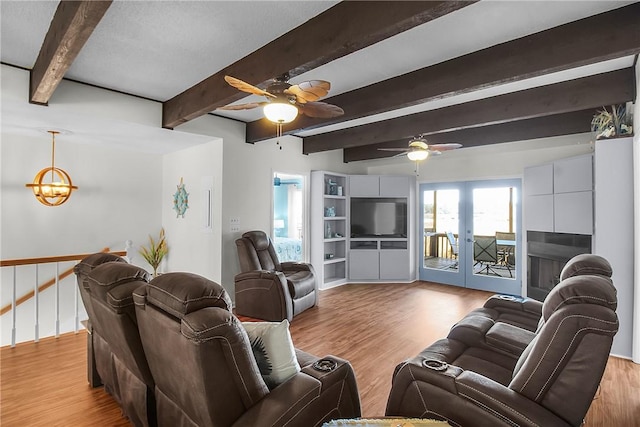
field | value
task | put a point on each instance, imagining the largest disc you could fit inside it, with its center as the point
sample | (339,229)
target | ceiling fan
(285,101)
(419,149)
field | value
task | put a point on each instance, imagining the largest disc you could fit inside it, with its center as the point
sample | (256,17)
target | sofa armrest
(311,397)
(511,303)
(295,266)
(471,330)
(504,402)
(263,294)
(283,403)
(509,338)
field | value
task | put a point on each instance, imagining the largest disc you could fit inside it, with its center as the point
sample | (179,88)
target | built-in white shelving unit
(329,212)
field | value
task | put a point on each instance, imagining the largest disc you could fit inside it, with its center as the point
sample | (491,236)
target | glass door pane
(288,216)
(441,223)
(493,237)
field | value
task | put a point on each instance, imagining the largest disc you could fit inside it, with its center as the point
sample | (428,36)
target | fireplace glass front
(547,255)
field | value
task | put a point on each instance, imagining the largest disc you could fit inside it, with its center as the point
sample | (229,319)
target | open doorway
(288,216)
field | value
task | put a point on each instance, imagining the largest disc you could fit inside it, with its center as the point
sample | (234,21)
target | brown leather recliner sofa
(491,373)
(123,366)
(268,289)
(206,375)
(98,351)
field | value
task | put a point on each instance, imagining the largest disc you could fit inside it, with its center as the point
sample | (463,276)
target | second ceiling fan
(419,149)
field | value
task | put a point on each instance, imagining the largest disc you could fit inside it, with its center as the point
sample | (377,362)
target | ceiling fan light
(417,155)
(280,112)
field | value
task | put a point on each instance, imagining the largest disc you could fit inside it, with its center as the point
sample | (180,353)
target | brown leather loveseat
(513,376)
(206,374)
(268,289)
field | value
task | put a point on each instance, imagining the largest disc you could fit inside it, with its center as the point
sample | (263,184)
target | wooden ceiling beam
(601,37)
(588,92)
(71,26)
(324,38)
(519,130)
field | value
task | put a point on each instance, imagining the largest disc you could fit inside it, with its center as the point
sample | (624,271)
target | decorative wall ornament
(180,200)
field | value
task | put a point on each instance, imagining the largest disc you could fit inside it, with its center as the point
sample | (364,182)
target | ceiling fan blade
(247,106)
(434,153)
(321,110)
(311,90)
(444,147)
(246,87)
(393,149)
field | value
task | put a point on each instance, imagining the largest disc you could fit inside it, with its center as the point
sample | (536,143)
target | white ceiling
(157,49)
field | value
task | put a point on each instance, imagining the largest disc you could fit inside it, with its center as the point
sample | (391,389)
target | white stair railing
(38,288)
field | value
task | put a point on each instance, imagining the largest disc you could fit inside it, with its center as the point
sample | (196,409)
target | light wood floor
(374,326)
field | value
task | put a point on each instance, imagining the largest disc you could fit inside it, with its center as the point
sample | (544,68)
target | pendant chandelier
(53,192)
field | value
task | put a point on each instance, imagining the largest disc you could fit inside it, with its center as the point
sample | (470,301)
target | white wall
(118,196)
(193,247)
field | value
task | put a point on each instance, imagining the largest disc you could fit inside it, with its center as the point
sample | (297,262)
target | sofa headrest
(107,276)
(85,266)
(598,290)
(182,293)
(585,264)
(258,238)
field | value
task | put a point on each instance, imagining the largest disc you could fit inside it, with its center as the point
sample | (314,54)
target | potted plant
(155,252)
(615,123)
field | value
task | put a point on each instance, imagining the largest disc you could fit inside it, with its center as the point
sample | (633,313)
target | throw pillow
(273,349)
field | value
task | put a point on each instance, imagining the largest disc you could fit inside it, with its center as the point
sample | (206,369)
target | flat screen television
(378,217)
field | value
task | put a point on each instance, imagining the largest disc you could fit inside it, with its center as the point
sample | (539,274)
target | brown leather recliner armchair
(267,289)
(124,371)
(98,351)
(551,383)
(205,371)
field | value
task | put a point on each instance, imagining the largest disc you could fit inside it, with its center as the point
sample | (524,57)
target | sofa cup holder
(436,365)
(325,365)
(507,297)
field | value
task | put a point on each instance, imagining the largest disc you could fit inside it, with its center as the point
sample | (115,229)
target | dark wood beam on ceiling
(601,37)
(337,32)
(71,26)
(519,130)
(588,92)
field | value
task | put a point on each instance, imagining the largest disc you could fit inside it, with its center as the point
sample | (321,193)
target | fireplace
(547,255)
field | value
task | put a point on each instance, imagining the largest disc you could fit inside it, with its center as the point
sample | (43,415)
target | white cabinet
(573,212)
(364,264)
(379,260)
(573,174)
(558,197)
(538,180)
(539,212)
(329,227)
(364,185)
(379,186)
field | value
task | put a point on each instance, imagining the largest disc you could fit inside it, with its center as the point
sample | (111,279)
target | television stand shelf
(379,259)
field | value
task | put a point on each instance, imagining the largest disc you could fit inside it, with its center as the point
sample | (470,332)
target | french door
(471,234)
